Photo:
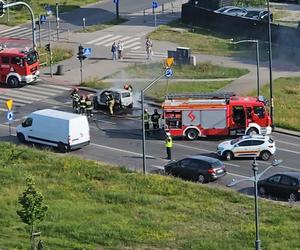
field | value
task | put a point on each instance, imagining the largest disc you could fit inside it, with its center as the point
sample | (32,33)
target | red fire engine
(193,115)
(18,66)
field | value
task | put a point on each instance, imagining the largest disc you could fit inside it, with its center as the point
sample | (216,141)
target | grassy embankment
(102,26)
(286,92)
(59,54)
(95,206)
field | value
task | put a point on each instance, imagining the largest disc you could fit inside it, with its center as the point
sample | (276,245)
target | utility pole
(57,21)
(49,37)
(81,56)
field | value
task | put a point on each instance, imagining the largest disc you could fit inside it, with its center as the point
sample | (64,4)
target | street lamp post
(257,59)
(270,64)
(255,180)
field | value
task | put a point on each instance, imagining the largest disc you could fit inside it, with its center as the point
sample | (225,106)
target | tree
(32,209)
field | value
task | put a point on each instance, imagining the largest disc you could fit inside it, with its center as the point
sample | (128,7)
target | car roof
(261,137)
(292,174)
(202,157)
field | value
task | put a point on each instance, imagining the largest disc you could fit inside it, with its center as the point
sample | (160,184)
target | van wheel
(191,134)
(61,147)
(13,82)
(265,155)
(130,106)
(21,137)
(227,155)
(252,131)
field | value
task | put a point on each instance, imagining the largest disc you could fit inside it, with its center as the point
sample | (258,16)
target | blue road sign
(169,72)
(154,4)
(116,1)
(48,10)
(43,19)
(10,116)
(87,51)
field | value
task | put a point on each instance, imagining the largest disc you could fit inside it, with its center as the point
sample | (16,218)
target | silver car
(232,11)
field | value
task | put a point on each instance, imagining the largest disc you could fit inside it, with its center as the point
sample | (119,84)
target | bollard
(144,15)
(172,6)
(162,8)
(83,23)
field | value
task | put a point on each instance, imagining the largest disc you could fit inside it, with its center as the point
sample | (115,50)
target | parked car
(247,146)
(284,185)
(258,14)
(232,10)
(196,168)
(123,98)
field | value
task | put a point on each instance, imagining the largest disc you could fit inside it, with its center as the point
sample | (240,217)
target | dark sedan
(284,185)
(196,168)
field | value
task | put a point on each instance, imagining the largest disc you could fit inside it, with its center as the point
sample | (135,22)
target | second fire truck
(224,114)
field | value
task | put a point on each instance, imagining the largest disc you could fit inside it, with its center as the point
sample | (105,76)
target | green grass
(96,83)
(96,206)
(19,14)
(286,93)
(102,26)
(201,71)
(159,91)
(58,54)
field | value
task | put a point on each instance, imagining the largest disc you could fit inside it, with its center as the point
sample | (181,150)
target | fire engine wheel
(265,155)
(13,81)
(227,155)
(252,131)
(191,134)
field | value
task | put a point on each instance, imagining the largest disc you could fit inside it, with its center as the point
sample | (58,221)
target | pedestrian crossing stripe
(4,33)
(13,28)
(111,39)
(99,39)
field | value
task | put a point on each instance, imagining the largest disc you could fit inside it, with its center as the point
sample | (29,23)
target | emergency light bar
(221,95)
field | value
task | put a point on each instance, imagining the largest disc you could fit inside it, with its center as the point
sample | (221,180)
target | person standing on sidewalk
(114,51)
(149,46)
(169,145)
(120,49)
(155,121)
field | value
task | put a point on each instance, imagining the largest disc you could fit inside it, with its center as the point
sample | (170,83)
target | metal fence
(235,26)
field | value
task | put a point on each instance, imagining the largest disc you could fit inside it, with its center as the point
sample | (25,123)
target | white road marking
(122,150)
(131,40)
(12,31)
(122,39)
(131,45)
(289,143)
(98,39)
(288,150)
(279,166)
(135,48)
(238,175)
(108,41)
(13,28)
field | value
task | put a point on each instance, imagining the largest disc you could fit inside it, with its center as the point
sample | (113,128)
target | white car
(247,146)
(123,98)
(232,10)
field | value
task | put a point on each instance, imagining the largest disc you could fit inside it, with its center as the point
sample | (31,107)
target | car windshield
(252,13)
(32,58)
(234,141)
(125,94)
(217,164)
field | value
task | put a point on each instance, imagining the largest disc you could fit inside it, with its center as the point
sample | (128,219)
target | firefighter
(128,87)
(89,107)
(169,145)
(82,105)
(111,103)
(75,97)
(155,121)
(146,120)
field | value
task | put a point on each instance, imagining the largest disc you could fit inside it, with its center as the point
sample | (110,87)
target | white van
(55,128)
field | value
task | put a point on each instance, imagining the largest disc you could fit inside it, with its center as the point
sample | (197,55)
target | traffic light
(80,55)
(2,10)
(47,47)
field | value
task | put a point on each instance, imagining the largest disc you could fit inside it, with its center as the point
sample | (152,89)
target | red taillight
(299,190)
(211,171)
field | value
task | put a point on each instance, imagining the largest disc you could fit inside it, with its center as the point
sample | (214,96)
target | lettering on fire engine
(191,116)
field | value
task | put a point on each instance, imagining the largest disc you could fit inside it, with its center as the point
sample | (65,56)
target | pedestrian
(82,105)
(169,145)
(146,120)
(149,46)
(120,49)
(114,51)
(89,107)
(111,103)
(155,121)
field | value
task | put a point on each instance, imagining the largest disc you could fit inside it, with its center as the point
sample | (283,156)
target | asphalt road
(117,140)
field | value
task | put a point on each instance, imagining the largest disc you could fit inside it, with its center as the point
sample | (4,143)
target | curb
(287,132)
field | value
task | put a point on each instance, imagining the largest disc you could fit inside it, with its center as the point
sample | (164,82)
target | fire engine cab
(18,66)
(222,114)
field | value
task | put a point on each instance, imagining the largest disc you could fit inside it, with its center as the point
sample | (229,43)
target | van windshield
(125,94)
(32,57)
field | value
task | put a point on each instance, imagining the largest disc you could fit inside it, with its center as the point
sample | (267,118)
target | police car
(247,146)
